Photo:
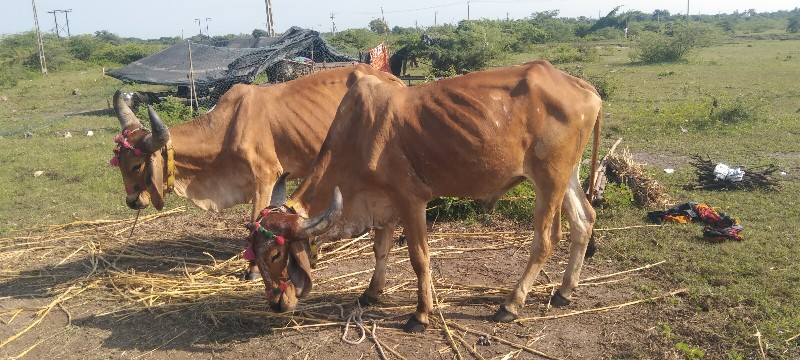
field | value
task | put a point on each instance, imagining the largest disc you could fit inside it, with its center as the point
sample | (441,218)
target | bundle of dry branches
(647,192)
(754,177)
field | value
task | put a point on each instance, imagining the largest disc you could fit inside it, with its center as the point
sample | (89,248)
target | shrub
(794,25)
(563,53)
(673,44)
(123,54)
(352,41)
(172,111)
(469,46)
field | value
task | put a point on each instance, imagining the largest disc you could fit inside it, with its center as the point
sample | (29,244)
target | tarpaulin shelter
(219,67)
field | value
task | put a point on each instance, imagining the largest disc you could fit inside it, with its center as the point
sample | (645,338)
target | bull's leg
(548,196)
(581,217)
(416,234)
(381,246)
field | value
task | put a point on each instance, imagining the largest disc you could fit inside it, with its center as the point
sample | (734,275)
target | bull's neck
(315,191)
(195,144)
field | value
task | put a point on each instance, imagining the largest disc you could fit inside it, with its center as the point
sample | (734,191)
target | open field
(88,291)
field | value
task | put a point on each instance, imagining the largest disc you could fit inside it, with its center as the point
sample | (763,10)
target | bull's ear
(156,186)
(299,268)
(354,76)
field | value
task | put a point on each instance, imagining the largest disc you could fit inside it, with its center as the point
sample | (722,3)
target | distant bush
(608,33)
(469,46)
(794,25)
(351,41)
(563,53)
(675,43)
(172,111)
(123,54)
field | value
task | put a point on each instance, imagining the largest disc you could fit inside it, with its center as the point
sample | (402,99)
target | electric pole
(199,28)
(40,45)
(467,10)
(66,15)
(270,22)
(434,18)
(207,33)
(55,18)
(687,11)
(333,24)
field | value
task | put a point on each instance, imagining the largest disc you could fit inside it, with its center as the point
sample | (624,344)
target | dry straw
(204,281)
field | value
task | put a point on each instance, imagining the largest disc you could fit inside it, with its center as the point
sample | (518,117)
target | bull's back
(477,134)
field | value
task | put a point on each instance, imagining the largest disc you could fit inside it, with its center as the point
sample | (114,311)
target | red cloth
(379,58)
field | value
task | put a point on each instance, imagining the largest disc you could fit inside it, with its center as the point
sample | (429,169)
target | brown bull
(234,153)
(393,149)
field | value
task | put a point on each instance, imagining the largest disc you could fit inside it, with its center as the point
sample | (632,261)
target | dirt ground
(172,291)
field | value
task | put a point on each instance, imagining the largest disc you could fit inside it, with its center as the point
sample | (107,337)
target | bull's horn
(319,224)
(279,191)
(159,135)
(124,114)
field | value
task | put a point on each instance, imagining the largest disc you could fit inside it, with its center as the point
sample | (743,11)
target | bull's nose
(133,204)
(276,307)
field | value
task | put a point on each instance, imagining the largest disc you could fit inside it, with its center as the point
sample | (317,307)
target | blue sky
(153,19)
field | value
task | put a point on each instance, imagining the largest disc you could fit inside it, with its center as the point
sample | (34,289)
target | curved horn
(124,114)
(160,133)
(279,191)
(320,223)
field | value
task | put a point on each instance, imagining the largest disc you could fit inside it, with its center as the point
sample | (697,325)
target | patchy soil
(172,291)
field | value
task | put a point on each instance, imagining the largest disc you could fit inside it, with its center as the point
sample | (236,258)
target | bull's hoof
(366,300)
(591,248)
(503,316)
(558,300)
(251,276)
(413,326)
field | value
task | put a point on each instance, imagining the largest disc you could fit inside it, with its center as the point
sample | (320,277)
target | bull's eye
(275,257)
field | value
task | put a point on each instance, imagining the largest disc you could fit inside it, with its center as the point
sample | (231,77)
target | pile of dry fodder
(755,178)
(647,192)
(175,264)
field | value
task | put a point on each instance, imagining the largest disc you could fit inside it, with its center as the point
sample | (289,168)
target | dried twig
(604,308)
(504,341)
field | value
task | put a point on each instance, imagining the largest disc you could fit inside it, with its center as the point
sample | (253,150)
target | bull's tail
(595,146)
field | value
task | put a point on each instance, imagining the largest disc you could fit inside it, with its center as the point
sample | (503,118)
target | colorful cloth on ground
(379,58)
(719,225)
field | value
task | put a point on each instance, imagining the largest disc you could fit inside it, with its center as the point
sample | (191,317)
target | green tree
(257,33)
(378,26)
(794,25)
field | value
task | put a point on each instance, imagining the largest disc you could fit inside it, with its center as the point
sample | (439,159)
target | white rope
(355,318)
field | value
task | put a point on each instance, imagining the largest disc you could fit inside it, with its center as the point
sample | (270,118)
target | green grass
(735,287)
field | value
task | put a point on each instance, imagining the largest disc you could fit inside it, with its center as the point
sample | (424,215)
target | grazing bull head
(281,247)
(138,155)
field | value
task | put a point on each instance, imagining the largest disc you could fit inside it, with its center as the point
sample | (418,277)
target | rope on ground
(355,318)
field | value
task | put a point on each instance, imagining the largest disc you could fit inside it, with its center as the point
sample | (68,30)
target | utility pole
(66,14)
(270,22)
(434,18)
(467,10)
(199,28)
(687,11)
(507,16)
(55,18)
(42,62)
(207,33)
(333,24)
